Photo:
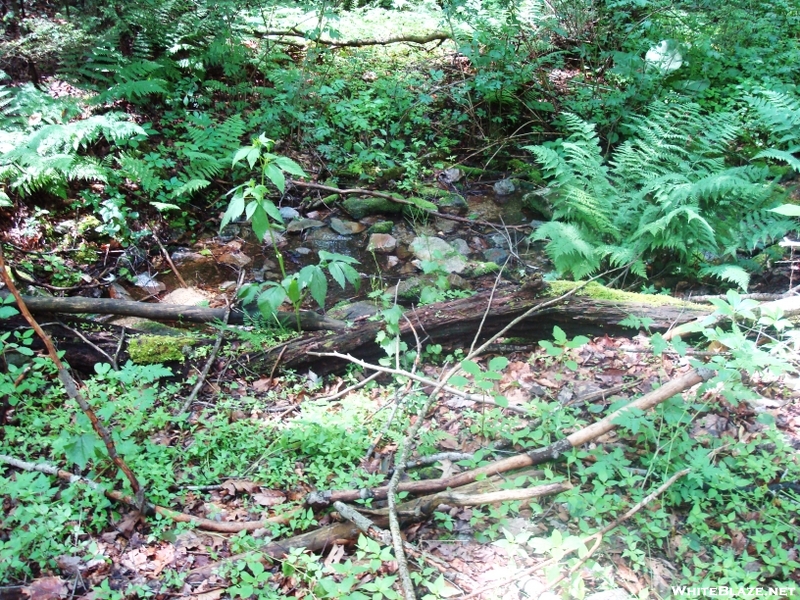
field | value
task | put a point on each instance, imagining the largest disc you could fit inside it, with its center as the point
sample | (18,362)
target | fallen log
(309,321)
(454,324)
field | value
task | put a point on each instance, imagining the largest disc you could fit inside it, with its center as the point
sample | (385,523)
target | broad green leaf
(293,290)
(81,448)
(470,367)
(318,287)
(270,300)
(787,210)
(334,257)
(559,336)
(459,381)
(335,269)
(241,154)
(234,211)
(498,363)
(291,167)
(272,210)
(260,223)
(275,175)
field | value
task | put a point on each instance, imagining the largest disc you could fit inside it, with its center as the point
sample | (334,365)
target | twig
(212,357)
(147,508)
(112,360)
(169,260)
(351,388)
(277,360)
(595,536)
(70,386)
(385,196)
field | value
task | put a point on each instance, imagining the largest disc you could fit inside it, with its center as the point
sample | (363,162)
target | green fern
(49,157)
(667,195)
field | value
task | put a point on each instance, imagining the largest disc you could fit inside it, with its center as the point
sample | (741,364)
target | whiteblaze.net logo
(733,592)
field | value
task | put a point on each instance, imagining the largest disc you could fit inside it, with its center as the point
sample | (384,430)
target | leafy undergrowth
(257,446)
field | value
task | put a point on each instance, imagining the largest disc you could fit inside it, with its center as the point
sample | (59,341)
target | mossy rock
(539,204)
(452,204)
(476,268)
(381,227)
(152,349)
(358,208)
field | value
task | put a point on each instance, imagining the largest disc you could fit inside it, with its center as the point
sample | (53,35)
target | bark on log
(455,323)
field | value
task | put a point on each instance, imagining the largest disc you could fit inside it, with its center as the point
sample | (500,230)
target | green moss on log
(152,349)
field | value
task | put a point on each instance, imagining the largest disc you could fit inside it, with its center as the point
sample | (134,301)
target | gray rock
(504,187)
(435,249)
(445,225)
(303,224)
(461,246)
(382,243)
(346,227)
(288,213)
(302,251)
(498,240)
(496,255)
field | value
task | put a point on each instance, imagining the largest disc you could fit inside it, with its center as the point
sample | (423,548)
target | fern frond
(190,187)
(568,248)
(729,273)
(782,155)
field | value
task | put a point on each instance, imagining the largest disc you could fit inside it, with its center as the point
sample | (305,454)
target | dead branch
(149,509)
(70,386)
(436,36)
(534,457)
(309,321)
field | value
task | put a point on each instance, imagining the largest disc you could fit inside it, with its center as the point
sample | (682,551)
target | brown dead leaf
(47,588)
(269,498)
(447,468)
(738,542)
(263,385)
(163,558)
(234,486)
(449,443)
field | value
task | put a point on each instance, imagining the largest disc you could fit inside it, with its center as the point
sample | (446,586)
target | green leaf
(559,336)
(241,154)
(260,222)
(335,269)
(7,312)
(270,300)
(470,367)
(272,210)
(275,175)
(787,210)
(291,167)
(658,343)
(324,255)
(498,363)
(81,448)
(235,210)
(318,286)
(459,381)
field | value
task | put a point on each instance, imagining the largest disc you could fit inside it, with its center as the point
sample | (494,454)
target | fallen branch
(597,537)
(435,36)
(309,321)
(398,200)
(534,457)
(147,508)
(70,386)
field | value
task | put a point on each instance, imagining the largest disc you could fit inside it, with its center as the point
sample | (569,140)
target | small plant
(560,346)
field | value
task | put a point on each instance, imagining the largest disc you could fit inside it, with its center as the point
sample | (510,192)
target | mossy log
(593,311)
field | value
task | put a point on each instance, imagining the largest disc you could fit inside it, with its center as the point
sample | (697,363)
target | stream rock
(358,208)
(381,227)
(504,187)
(452,204)
(347,227)
(461,246)
(429,248)
(497,256)
(288,213)
(381,243)
(303,224)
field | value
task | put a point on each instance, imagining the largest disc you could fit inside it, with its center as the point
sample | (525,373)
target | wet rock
(478,243)
(347,227)
(428,248)
(303,251)
(444,226)
(496,255)
(184,257)
(303,224)
(451,175)
(534,224)
(381,227)
(452,204)
(230,232)
(65,227)
(392,262)
(498,240)
(186,296)
(504,187)
(148,283)
(350,312)
(358,208)
(288,213)
(382,243)
(461,246)
(457,282)
(237,259)
(538,202)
